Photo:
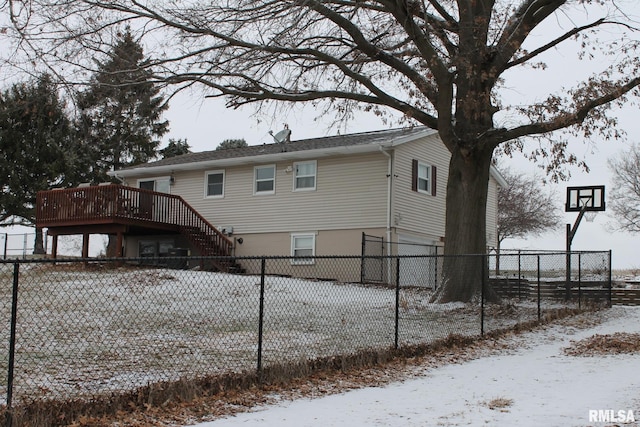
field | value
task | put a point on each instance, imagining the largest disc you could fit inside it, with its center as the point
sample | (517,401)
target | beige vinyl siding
(350,193)
(414,212)
(328,243)
(492,213)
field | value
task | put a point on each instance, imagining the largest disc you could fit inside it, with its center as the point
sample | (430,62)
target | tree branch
(554,43)
(564,119)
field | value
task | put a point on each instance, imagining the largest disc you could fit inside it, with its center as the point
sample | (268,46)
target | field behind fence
(95,329)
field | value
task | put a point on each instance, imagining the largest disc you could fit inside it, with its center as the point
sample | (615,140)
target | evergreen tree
(176,147)
(121,112)
(232,143)
(37,150)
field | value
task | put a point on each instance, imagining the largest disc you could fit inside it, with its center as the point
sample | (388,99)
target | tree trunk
(465,230)
(38,246)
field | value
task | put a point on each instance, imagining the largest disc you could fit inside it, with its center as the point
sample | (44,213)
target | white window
(424,178)
(304,176)
(265,179)
(214,184)
(303,245)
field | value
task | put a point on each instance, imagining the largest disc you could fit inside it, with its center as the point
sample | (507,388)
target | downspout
(389,198)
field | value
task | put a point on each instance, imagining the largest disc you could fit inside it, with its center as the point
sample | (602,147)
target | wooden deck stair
(121,210)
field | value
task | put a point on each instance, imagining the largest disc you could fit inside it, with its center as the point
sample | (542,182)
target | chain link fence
(94,329)
(17,245)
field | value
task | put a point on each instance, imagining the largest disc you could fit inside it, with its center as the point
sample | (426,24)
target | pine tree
(176,147)
(232,143)
(37,149)
(121,112)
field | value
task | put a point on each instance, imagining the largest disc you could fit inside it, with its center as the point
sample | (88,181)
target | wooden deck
(120,210)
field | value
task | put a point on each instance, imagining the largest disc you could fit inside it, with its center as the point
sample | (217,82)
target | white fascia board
(409,138)
(495,173)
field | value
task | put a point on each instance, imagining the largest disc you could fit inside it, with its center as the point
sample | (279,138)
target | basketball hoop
(590,215)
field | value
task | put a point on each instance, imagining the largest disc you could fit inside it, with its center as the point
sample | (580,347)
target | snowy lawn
(535,380)
(86,332)
(90,332)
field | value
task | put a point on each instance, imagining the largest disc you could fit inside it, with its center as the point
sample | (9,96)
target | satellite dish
(283,136)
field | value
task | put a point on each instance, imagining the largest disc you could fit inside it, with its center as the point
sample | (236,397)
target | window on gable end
(423,177)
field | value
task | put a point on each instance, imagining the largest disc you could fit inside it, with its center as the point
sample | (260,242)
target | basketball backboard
(592,197)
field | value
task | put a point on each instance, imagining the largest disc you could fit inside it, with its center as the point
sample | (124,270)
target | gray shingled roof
(375,137)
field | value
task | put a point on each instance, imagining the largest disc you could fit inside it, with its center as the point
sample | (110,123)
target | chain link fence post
(539,296)
(12,344)
(261,314)
(610,282)
(520,275)
(483,283)
(579,281)
(397,325)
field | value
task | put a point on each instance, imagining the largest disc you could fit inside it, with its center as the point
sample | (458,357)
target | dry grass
(499,403)
(599,345)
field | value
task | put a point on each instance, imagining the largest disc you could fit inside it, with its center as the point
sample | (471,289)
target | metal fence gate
(372,266)
(418,262)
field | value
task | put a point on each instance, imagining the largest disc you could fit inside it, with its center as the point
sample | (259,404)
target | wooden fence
(514,288)
(625,296)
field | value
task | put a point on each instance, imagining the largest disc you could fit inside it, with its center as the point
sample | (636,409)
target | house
(300,198)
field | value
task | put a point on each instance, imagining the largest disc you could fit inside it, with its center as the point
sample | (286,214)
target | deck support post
(119,240)
(85,245)
(54,247)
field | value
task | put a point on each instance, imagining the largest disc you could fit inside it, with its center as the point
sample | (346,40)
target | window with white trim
(304,176)
(423,177)
(214,184)
(265,179)
(303,245)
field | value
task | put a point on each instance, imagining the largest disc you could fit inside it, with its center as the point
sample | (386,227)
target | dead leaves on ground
(598,345)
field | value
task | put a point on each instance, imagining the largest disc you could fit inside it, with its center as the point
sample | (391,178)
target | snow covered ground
(532,383)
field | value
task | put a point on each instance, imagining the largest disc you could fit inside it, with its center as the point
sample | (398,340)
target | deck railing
(120,204)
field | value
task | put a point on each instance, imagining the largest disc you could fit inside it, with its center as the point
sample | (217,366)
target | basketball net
(588,215)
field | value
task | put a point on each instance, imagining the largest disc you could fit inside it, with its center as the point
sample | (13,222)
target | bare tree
(525,208)
(441,63)
(624,199)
